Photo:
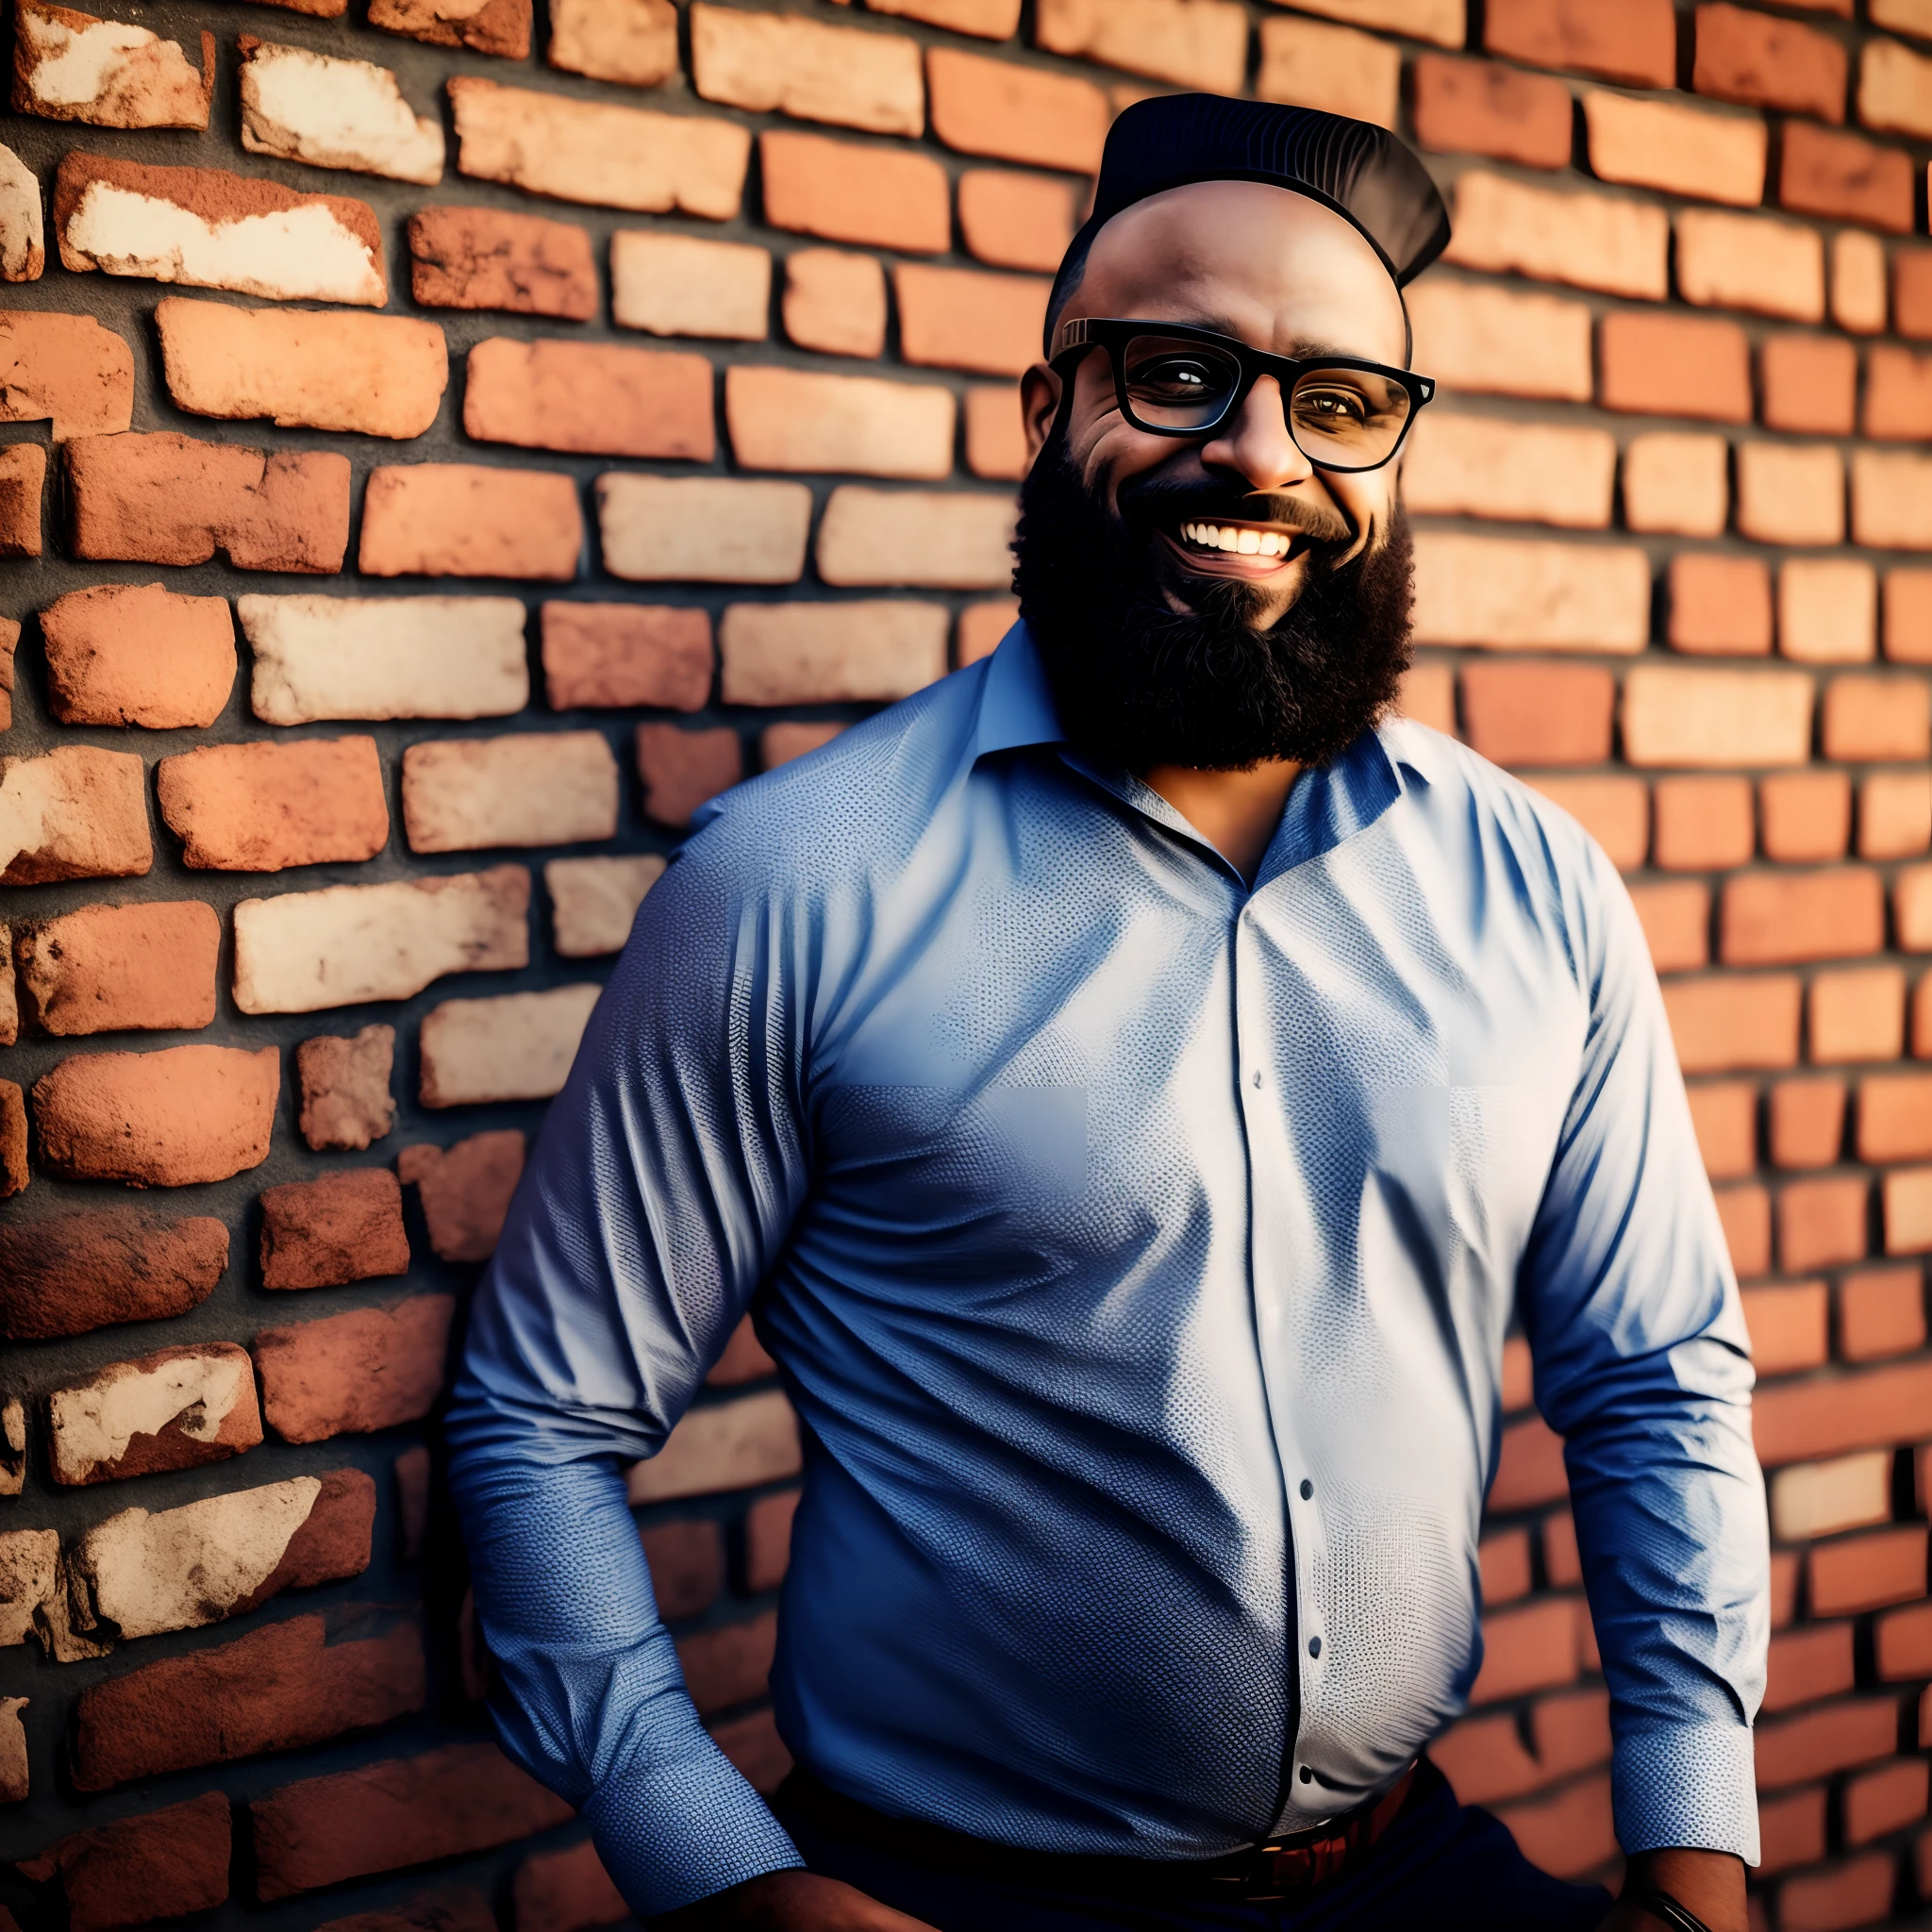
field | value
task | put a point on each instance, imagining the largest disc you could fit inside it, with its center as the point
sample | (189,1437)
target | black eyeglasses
(1171,380)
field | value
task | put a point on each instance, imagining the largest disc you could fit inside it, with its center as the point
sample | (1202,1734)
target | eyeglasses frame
(1113,333)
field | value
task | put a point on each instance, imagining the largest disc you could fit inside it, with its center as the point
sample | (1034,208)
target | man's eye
(1331,405)
(1176,377)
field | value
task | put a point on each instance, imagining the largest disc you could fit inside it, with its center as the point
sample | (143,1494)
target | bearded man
(1134,1083)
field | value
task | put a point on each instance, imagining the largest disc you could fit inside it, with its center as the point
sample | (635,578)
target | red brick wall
(679,341)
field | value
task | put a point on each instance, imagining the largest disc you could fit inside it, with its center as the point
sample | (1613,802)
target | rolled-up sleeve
(661,1190)
(1643,1365)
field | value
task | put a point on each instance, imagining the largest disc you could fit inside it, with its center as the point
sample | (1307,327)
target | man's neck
(1235,811)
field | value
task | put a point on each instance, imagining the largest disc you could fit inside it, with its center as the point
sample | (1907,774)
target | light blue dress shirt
(1138,1250)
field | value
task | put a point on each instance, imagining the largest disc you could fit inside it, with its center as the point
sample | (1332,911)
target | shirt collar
(1016,704)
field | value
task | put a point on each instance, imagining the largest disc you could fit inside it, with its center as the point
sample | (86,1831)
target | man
(1134,1083)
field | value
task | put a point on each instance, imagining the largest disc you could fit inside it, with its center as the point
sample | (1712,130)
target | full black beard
(1140,683)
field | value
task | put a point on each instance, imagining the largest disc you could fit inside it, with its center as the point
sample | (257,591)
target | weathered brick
(261,806)
(1543,473)
(1750,261)
(402,1812)
(334,114)
(1015,221)
(1843,178)
(166,1119)
(29,1573)
(23,475)
(355,1373)
(1677,715)
(1332,67)
(1806,1665)
(593,398)
(1895,815)
(207,229)
(325,1233)
(1680,149)
(1720,606)
(996,434)
(277,1689)
(562,1892)
(462,520)
(23,251)
(682,768)
(835,302)
(631,41)
(517,1046)
(483,258)
(1539,714)
(785,63)
(416,657)
(1892,499)
(158,1864)
(787,419)
(14,1172)
(105,969)
(949,542)
(1808,384)
(608,157)
(1895,94)
(724,1445)
(1789,1327)
(1806,816)
(777,654)
(1858,1015)
(1510,594)
(707,529)
(68,1274)
(1808,1122)
(1872,1408)
(1723,1025)
(1196,43)
(603,656)
(1878,718)
(678,285)
(1678,483)
(66,370)
(839,191)
(592,901)
(72,66)
(1477,106)
(345,1081)
(71,813)
(1676,365)
(175,1409)
(1858,282)
(465,1190)
(1881,1313)
(485,27)
(1015,113)
(1497,342)
(341,945)
(137,654)
(1633,40)
(1750,57)
(1589,240)
(538,788)
(1827,610)
(380,375)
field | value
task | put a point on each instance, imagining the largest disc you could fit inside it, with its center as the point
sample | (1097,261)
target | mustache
(1153,500)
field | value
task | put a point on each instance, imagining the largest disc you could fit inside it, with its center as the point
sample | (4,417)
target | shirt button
(1307,1488)
(1258,1077)
(1308,1775)
(1314,1646)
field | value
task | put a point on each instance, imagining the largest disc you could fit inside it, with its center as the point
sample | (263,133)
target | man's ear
(1039,397)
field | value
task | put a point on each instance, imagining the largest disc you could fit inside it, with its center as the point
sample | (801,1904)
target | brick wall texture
(444,446)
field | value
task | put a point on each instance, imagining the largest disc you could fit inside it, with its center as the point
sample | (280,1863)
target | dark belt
(1282,1868)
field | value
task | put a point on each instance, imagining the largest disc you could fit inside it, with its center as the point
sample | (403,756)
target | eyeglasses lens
(1174,384)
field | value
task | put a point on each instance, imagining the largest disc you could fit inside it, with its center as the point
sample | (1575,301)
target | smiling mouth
(1249,550)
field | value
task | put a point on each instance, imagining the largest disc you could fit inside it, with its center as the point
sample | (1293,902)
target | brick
(593,901)
(1770,919)
(1898,395)
(1808,383)
(15,1782)
(402,1811)
(1529,1468)
(1791,1829)
(1837,1738)
(1895,94)
(678,285)
(787,419)
(1903,1642)
(542,787)
(1477,106)
(1680,484)
(1907,1208)
(355,1373)
(710,529)
(166,1119)
(562,1892)
(1858,282)
(996,434)
(1885,1800)
(1510,594)
(824,653)
(1858,1015)
(1679,149)
(341,945)
(1907,616)
(1843,178)
(1333,67)
(23,250)
(465,1190)
(1571,1834)
(589,397)
(108,968)
(22,472)
(72,66)
(29,1573)
(1685,715)
(1881,1313)
(1857,1893)
(1497,342)
(1588,240)
(1724,1117)
(1750,261)
(835,302)
(785,63)
(1870,1408)
(65,370)
(1727,1025)
(158,1864)
(1572,1730)
(1867,1572)
(633,42)
(1911,293)
(604,655)
(1015,221)
(345,1081)
(73,813)
(14,1174)
(1676,365)
(378,374)
(1744,1216)
(725,1445)
(1820,1223)
(1427,692)
(1827,610)
(517,1046)
(779,745)
(334,114)
(1461,465)
(325,1233)
(1675,918)
(1912,916)
(1539,714)
(962,319)
(1528,1649)
(1908,16)
(949,541)
(1895,815)
(768,1539)
(992,19)
(463,519)
(1892,500)
(481,258)
(1484,1758)
(69,1274)
(682,768)
(1717,605)
(175,1409)
(1788,1327)
(137,654)
(418,656)
(1614,812)
(1750,57)
(730,1665)
(1878,718)
(608,157)
(485,27)
(208,229)
(259,807)
(1633,40)
(152,1571)
(466,1910)
(1194,43)
(1806,816)
(1808,1665)
(1808,1122)
(839,191)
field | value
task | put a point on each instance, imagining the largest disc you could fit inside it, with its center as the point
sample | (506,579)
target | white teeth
(1239,541)
(1249,544)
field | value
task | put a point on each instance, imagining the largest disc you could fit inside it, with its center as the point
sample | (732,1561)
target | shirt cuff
(1694,1785)
(684,1829)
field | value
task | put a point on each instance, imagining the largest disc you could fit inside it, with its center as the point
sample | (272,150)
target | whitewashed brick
(1499,343)
(71,66)
(1589,240)
(1510,594)
(593,901)
(1892,499)
(1536,473)
(1678,482)
(23,234)
(702,529)
(681,284)
(724,1445)
(518,1046)
(334,114)
(385,657)
(72,813)
(784,63)
(206,1395)
(1685,715)
(956,541)
(1827,610)
(1813,1499)
(534,788)
(29,1566)
(804,654)
(1679,149)
(306,951)
(799,420)
(1751,262)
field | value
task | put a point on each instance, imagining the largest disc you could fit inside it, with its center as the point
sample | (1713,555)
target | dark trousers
(1441,1867)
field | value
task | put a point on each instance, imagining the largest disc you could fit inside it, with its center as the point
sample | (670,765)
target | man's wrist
(1709,1884)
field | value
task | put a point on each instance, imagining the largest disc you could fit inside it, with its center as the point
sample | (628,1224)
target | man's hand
(1710,1884)
(794,1902)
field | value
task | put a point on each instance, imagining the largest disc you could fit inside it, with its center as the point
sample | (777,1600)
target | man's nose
(1254,441)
